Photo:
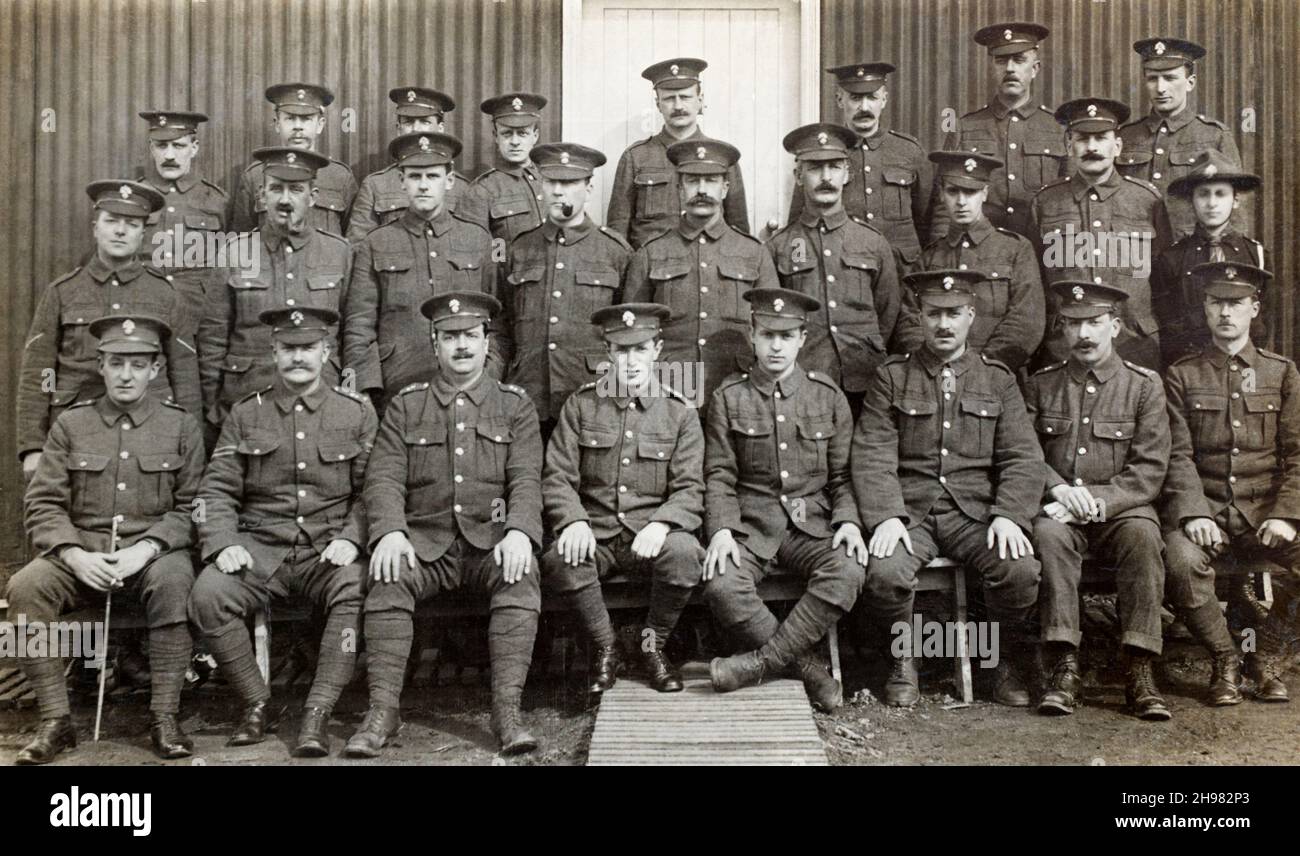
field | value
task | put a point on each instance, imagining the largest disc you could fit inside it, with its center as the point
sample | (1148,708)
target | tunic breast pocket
(510,212)
(595,286)
(75,341)
(917,434)
(755,453)
(800,275)
(1112,440)
(668,279)
(331,200)
(1136,164)
(323,289)
(392,269)
(337,450)
(1182,158)
(251,295)
(466,270)
(92,488)
(426,453)
(1052,431)
(494,439)
(979,425)
(158,480)
(527,293)
(992,299)
(256,449)
(598,464)
(979,140)
(736,275)
(1207,420)
(1262,409)
(1042,162)
(653,455)
(654,194)
(814,440)
(896,187)
(858,273)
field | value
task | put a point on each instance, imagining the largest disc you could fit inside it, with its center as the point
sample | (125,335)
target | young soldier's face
(861,110)
(565,197)
(776,350)
(1229,317)
(287,202)
(1091,340)
(823,182)
(419,124)
(461,353)
(515,144)
(946,327)
(1014,73)
(1214,202)
(299,130)
(635,362)
(1168,88)
(1095,151)
(174,158)
(702,195)
(965,206)
(426,187)
(127,376)
(680,107)
(300,365)
(118,236)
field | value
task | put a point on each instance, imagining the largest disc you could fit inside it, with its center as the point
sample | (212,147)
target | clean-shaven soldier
(509,196)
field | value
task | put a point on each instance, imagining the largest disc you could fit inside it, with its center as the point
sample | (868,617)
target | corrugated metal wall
(74,73)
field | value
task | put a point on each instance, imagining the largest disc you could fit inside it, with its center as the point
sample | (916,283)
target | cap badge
(1077,291)
(862,72)
(424,144)
(1210,170)
(162,121)
(296,318)
(822,139)
(948,283)
(778,305)
(564,157)
(517,104)
(701,152)
(970,164)
(302,94)
(128,327)
(1007,34)
(672,69)
(124,192)
(1230,272)
(1160,48)
(291,158)
(410,95)
(454,305)
(629,319)
(1092,110)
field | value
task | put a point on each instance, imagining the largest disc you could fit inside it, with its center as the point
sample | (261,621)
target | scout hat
(1210,165)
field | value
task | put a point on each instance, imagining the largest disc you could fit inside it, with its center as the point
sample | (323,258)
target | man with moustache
(945,464)
(889,178)
(510,195)
(1105,434)
(298,265)
(123,462)
(1094,212)
(381,199)
(841,261)
(281,515)
(644,202)
(430,249)
(701,270)
(1162,146)
(299,121)
(1020,134)
(59,358)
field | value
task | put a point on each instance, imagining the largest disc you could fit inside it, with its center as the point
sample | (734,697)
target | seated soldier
(778,494)
(613,512)
(125,464)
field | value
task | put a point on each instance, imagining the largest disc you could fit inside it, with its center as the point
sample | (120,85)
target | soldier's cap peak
(121,196)
(421,101)
(780,308)
(289,163)
(424,148)
(703,156)
(566,161)
(820,141)
(676,73)
(172,124)
(460,310)
(1090,115)
(1086,298)
(299,325)
(130,334)
(862,77)
(1165,52)
(1011,38)
(965,169)
(1230,279)
(299,98)
(945,286)
(631,323)
(514,109)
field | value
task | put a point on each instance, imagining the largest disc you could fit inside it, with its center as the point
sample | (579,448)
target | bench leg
(262,643)
(833,642)
(962,673)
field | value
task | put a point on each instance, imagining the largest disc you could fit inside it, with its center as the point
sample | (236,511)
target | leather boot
(661,673)
(1063,688)
(728,674)
(1008,687)
(903,686)
(51,738)
(1141,693)
(313,740)
(1225,680)
(169,741)
(1265,669)
(606,663)
(509,729)
(252,726)
(824,691)
(380,724)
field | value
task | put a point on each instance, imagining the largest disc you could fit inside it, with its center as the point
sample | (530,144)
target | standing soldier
(1242,406)
(281,515)
(124,463)
(453,498)
(611,512)
(1020,134)
(1102,424)
(840,260)
(889,179)
(1162,146)
(1213,186)
(430,249)
(644,202)
(381,198)
(298,265)
(59,358)
(701,270)
(767,505)
(1009,303)
(945,464)
(1117,220)
(509,195)
(299,121)
(556,277)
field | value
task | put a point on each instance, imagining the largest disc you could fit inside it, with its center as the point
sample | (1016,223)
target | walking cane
(103,651)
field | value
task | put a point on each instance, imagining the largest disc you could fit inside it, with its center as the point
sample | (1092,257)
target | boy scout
(611,512)
(453,499)
(1020,134)
(889,179)
(299,120)
(298,266)
(382,198)
(945,464)
(1242,406)
(839,260)
(280,515)
(127,461)
(1214,187)
(1009,303)
(1161,146)
(1117,220)
(429,250)
(644,202)
(557,276)
(59,358)
(509,195)
(700,270)
(767,505)
(1105,434)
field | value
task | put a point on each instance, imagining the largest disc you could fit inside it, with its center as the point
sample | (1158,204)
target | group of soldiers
(427,384)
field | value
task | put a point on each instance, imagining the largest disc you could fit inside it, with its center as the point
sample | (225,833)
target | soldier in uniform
(767,506)
(1009,304)
(842,261)
(1096,212)
(382,198)
(1242,407)
(430,249)
(280,514)
(1020,134)
(299,121)
(1102,424)
(509,196)
(701,270)
(127,461)
(555,277)
(1214,188)
(59,358)
(644,201)
(453,499)
(610,512)
(945,464)
(299,265)
(889,177)
(1162,146)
